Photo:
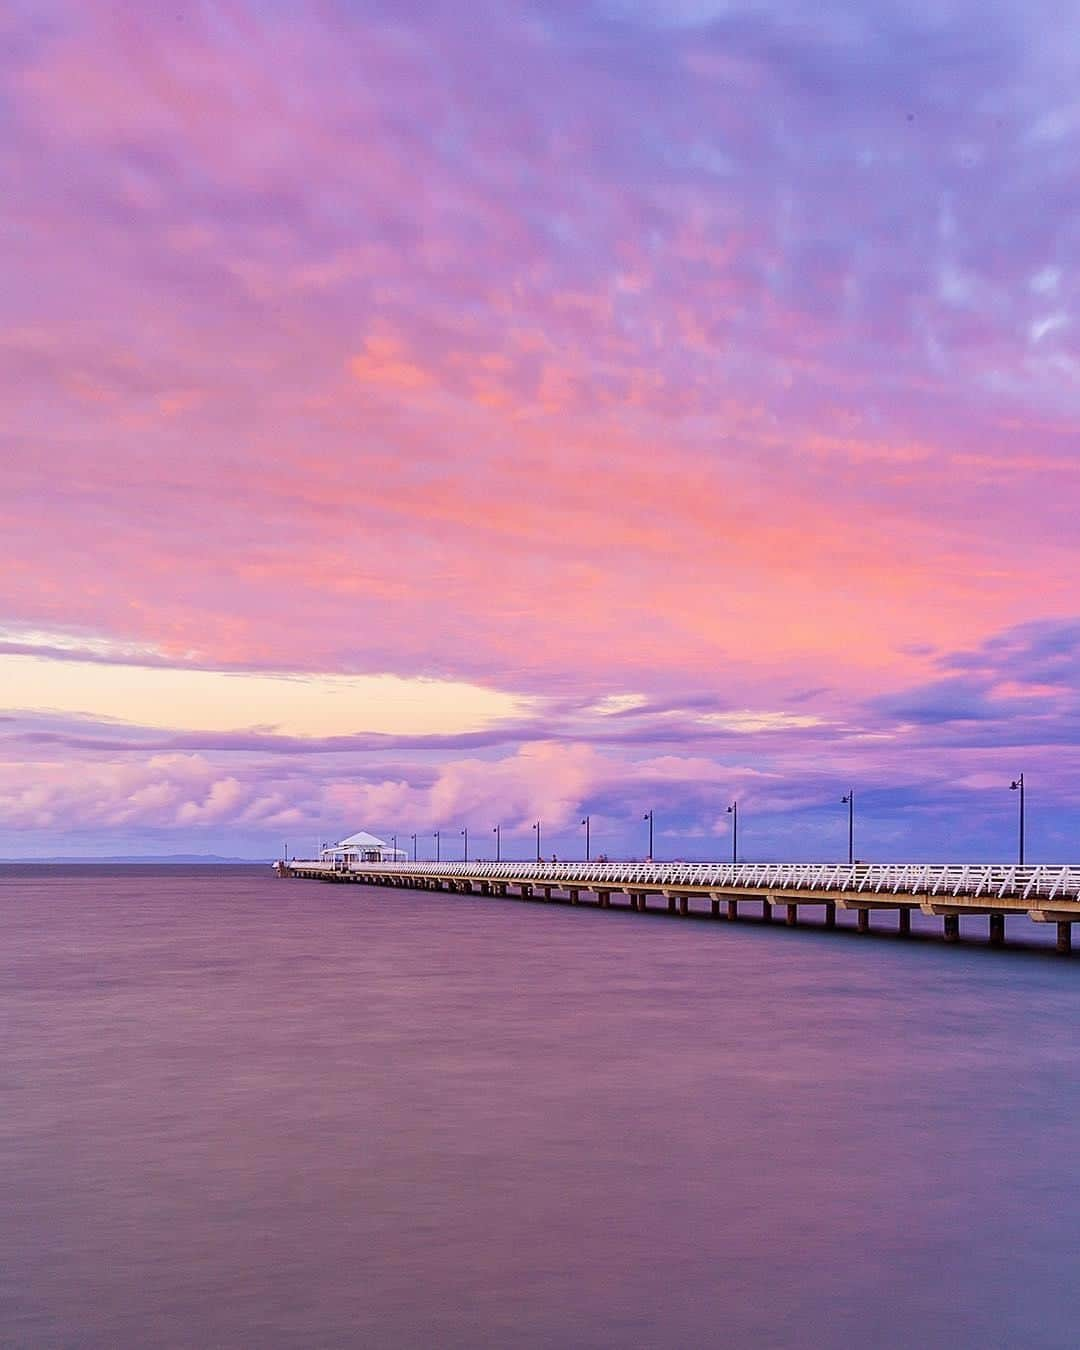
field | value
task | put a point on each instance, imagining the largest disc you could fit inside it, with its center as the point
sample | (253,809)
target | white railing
(993,880)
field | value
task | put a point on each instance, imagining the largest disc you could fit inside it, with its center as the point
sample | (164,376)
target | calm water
(240,1111)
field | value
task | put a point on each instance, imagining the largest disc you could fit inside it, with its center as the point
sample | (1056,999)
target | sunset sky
(421,414)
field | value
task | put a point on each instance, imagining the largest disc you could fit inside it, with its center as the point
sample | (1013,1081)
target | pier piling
(1045,895)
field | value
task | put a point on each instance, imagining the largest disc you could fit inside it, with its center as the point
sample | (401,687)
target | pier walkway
(1045,894)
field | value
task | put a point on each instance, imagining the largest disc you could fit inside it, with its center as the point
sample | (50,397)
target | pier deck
(1045,894)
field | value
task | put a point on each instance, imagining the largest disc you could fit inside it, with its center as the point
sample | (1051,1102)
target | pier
(879,893)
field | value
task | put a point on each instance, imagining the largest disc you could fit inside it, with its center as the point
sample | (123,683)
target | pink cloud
(337,343)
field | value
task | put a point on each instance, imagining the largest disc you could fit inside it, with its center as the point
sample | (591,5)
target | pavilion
(362,848)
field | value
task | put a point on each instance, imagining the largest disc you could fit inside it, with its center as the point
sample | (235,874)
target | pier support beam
(830,914)
(671,904)
(574,897)
(863,921)
(792,915)
(715,908)
(766,911)
(547,892)
(903,923)
(997,930)
(684,905)
(951,924)
(1064,937)
(733,909)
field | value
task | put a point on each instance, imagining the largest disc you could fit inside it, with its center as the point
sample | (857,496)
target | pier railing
(971,880)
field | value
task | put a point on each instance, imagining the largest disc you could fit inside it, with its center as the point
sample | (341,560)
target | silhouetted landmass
(141,858)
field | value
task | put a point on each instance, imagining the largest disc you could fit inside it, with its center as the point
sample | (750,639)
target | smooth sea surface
(238,1111)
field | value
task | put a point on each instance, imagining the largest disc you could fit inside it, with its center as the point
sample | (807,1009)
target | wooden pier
(1044,895)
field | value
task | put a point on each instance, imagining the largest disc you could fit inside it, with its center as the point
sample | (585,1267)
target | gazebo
(362,848)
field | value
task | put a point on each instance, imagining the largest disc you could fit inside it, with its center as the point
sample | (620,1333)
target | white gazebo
(362,848)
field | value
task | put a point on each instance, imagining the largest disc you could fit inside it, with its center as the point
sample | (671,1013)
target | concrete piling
(1053,899)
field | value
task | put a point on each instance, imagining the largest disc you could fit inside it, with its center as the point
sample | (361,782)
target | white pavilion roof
(361,839)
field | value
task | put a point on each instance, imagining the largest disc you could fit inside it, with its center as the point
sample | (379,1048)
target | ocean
(238,1111)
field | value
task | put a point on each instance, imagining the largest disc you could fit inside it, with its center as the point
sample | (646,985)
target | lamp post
(393,841)
(848,800)
(733,812)
(414,848)
(465,836)
(438,856)
(1017,785)
(497,832)
(588,852)
(649,817)
(536,827)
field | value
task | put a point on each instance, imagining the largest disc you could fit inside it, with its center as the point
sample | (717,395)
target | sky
(422,416)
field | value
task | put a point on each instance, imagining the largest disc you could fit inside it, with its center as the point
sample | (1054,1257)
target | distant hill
(142,858)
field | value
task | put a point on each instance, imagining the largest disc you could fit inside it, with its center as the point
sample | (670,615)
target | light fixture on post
(649,817)
(465,836)
(496,830)
(733,812)
(848,800)
(1017,785)
(588,850)
(536,827)
(438,855)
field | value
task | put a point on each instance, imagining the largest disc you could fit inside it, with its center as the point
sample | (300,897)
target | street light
(393,840)
(1017,785)
(585,822)
(465,836)
(497,832)
(437,852)
(414,848)
(536,827)
(733,812)
(848,800)
(648,816)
